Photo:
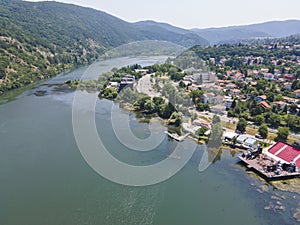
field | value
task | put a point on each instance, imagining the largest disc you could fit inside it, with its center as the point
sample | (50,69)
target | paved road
(145,86)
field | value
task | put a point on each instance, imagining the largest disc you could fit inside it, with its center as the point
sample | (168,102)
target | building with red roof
(285,153)
(265,105)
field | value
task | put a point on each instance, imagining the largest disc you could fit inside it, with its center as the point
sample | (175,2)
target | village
(244,99)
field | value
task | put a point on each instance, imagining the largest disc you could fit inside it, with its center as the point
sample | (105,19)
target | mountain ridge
(219,35)
(41,39)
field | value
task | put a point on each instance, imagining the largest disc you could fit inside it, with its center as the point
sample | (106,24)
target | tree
(182,84)
(216,119)
(142,101)
(275,120)
(176,119)
(241,126)
(278,97)
(164,111)
(282,134)
(194,116)
(259,119)
(216,135)
(200,79)
(263,131)
(149,106)
(233,105)
(293,108)
(196,94)
(201,131)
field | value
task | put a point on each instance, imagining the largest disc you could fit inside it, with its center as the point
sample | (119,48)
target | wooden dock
(258,165)
(176,136)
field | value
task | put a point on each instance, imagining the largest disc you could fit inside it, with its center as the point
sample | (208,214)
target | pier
(259,165)
(176,136)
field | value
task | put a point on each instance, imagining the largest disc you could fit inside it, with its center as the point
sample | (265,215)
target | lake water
(44,179)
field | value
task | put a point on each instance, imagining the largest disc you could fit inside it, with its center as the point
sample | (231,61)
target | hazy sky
(197,13)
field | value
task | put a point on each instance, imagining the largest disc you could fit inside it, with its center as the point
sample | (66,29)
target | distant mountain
(151,23)
(40,39)
(277,28)
(262,30)
(162,31)
(230,34)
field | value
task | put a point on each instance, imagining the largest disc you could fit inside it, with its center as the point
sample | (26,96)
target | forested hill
(40,39)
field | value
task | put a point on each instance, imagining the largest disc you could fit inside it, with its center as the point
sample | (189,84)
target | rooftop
(265,105)
(286,153)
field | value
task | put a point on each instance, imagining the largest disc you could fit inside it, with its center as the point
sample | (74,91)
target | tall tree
(282,134)
(263,131)
(241,126)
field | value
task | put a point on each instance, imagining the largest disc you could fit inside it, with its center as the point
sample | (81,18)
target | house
(235,92)
(250,142)
(208,97)
(261,98)
(229,136)
(288,86)
(142,71)
(202,123)
(265,105)
(264,70)
(127,81)
(248,79)
(207,77)
(192,88)
(290,100)
(189,79)
(212,88)
(297,93)
(218,100)
(253,83)
(289,77)
(228,102)
(113,85)
(241,139)
(255,73)
(279,104)
(218,109)
(269,76)
(230,86)
(238,77)
(287,69)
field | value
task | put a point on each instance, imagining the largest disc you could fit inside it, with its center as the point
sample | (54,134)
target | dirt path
(144,85)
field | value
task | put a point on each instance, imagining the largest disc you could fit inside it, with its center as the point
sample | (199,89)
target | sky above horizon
(196,13)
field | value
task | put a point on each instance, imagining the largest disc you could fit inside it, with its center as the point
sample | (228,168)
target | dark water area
(45,179)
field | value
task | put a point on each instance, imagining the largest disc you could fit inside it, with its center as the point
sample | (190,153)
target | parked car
(258,136)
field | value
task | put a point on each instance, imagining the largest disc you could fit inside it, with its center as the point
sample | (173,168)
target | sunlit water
(45,180)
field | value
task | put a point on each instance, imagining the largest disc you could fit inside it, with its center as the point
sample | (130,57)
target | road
(144,85)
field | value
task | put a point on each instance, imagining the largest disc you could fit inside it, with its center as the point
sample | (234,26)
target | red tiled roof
(265,105)
(286,152)
(276,147)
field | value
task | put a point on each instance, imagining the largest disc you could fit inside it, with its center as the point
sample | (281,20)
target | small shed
(241,139)
(250,142)
(229,136)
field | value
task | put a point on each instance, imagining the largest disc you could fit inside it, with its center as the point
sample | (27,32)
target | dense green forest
(40,39)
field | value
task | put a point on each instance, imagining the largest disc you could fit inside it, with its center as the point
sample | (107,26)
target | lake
(46,180)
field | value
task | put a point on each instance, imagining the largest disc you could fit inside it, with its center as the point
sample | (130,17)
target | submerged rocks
(296,213)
